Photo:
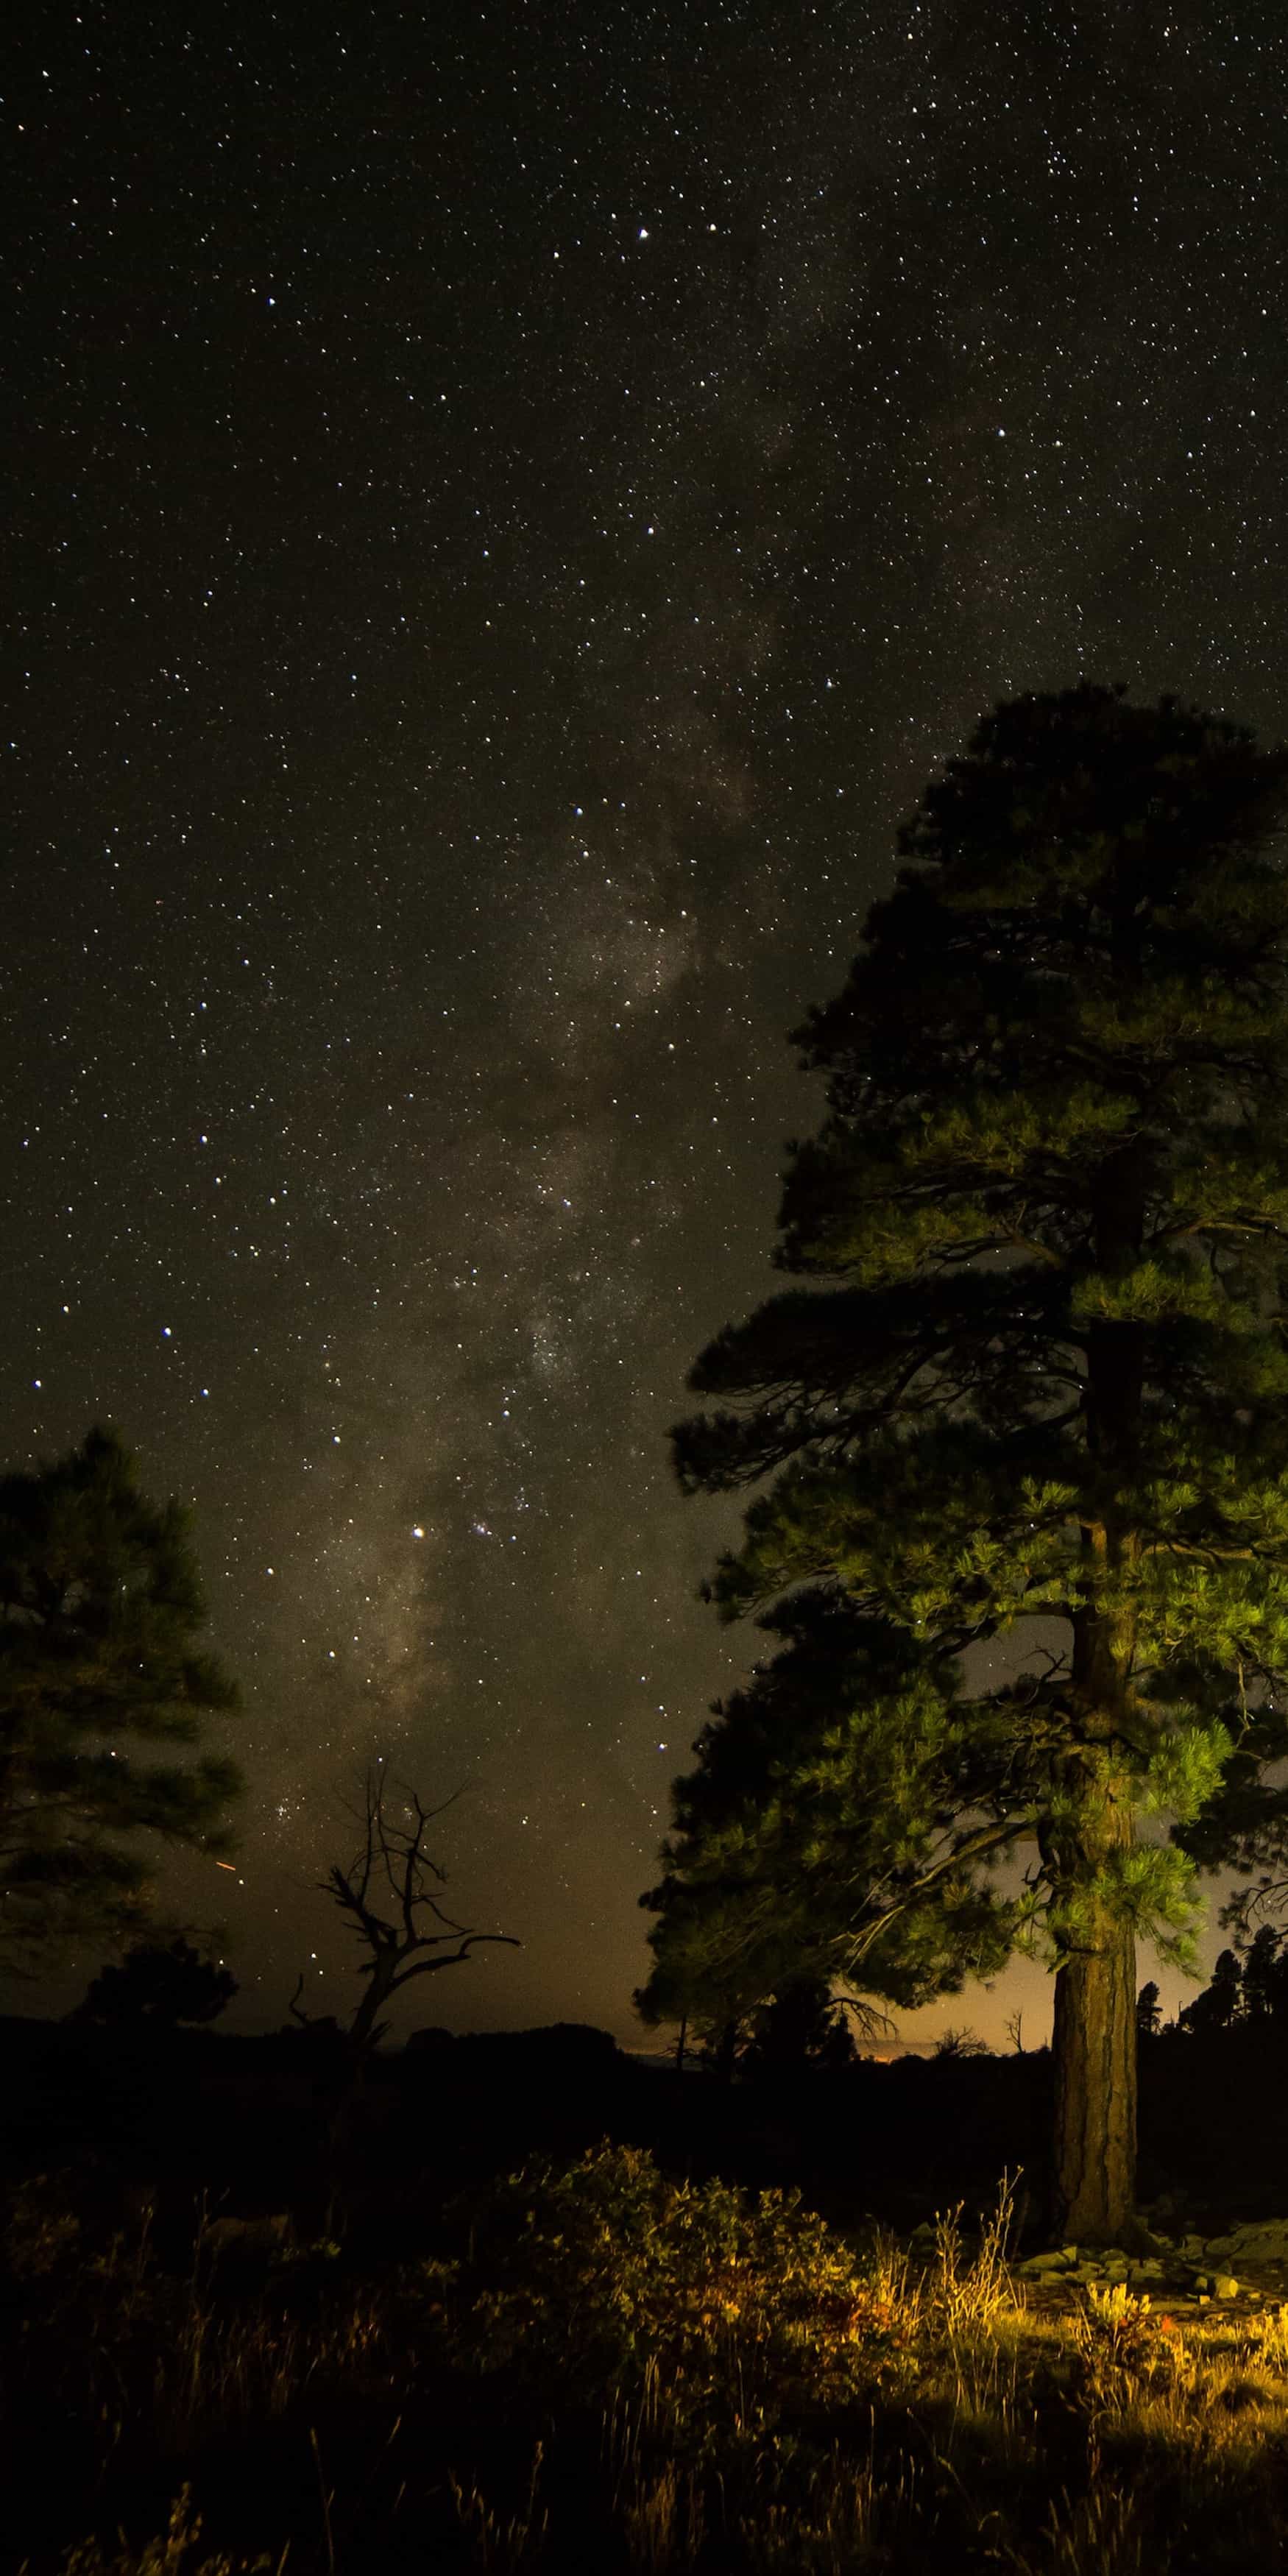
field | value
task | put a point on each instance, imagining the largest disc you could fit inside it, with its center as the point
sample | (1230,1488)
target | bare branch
(398,1934)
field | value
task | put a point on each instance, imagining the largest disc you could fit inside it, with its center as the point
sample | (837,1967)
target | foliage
(159,1983)
(600,2268)
(984,2436)
(1032,1396)
(100,1620)
(1220,2004)
(836,1766)
(804,2026)
(1248,1986)
(1121,2347)
(967,2285)
(800,2026)
(41,2228)
(1149,2013)
(1263,1977)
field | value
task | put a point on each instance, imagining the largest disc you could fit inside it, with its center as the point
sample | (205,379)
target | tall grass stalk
(967,2289)
(502,2547)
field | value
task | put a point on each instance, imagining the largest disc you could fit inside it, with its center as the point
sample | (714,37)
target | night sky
(509,506)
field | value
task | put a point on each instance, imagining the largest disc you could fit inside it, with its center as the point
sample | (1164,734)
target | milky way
(508,516)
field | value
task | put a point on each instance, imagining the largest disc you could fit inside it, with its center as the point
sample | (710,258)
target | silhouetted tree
(1034,1390)
(100,1619)
(1220,2004)
(1264,1977)
(717,2046)
(960,2043)
(1149,2011)
(803,2026)
(388,1897)
(161,1984)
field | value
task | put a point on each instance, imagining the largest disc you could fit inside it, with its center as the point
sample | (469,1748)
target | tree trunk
(1094,2058)
(1093,2161)
(1093,2041)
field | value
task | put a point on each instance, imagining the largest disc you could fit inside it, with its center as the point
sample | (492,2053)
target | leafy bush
(41,2230)
(604,2270)
(1121,2348)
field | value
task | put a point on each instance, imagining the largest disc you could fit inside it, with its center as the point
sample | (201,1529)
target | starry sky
(509,506)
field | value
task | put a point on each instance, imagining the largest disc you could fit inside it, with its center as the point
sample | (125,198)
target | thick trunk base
(1094,2064)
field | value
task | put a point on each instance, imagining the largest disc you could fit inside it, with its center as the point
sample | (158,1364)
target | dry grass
(951,2430)
(176,2552)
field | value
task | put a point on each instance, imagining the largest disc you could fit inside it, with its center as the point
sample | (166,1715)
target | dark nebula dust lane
(506,517)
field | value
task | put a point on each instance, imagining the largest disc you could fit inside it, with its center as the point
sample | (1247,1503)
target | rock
(1224,2285)
(1260,2241)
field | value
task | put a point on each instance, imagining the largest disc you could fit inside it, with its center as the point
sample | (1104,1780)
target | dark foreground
(467,2332)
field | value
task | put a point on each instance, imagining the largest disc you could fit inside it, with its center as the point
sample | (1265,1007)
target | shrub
(1121,2348)
(41,2231)
(599,2270)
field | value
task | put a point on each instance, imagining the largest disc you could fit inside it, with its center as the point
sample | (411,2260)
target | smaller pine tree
(1265,1976)
(1149,2013)
(159,1984)
(101,1666)
(1220,2005)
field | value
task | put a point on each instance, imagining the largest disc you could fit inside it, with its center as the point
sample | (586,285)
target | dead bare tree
(388,1898)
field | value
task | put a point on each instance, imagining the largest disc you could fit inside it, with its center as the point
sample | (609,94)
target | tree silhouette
(100,1617)
(1029,1411)
(803,2026)
(1264,1978)
(958,2043)
(1220,2005)
(161,1984)
(388,1897)
(1149,2013)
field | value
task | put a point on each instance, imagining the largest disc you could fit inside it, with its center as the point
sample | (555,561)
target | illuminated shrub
(605,2270)
(1121,2348)
(41,2232)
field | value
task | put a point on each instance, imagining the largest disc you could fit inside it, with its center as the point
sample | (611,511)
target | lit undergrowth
(603,2367)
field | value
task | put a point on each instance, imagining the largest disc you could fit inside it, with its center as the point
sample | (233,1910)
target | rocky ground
(1242,2270)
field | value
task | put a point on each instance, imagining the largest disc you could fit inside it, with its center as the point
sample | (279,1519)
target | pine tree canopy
(836,1773)
(1019,1438)
(100,1659)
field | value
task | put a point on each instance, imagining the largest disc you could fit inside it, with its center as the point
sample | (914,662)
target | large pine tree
(1024,1433)
(101,1662)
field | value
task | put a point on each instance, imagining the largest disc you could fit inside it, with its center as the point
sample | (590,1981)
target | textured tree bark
(1094,2038)
(1094,2060)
